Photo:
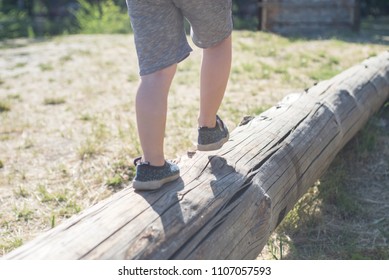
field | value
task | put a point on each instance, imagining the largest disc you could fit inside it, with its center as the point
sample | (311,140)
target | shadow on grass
(344,216)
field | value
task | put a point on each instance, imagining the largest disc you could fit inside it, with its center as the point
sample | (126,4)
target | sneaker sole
(153,185)
(213,146)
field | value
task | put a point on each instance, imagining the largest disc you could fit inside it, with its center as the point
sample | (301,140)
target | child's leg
(151,109)
(215,71)
(211,23)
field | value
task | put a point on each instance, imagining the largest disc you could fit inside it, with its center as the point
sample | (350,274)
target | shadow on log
(227,203)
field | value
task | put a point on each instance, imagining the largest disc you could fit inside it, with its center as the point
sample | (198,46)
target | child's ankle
(154,161)
(210,123)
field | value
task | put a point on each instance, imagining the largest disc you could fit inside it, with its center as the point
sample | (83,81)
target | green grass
(89,149)
(22,192)
(123,172)
(86,117)
(106,18)
(14,96)
(89,155)
(329,214)
(20,65)
(69,209)
(54,101)
(333,191)
(56,197)
(24,214)
(4,106)
(115,181)
(65,58)
(46,67)
(10,244)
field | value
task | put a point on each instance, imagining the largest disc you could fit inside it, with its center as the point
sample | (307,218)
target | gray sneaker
(149,177)
(210,139)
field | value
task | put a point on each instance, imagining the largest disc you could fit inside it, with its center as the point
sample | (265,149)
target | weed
(61,197)
(70,209)
(115,181)
(101,132)
(122,174)
(366,140)
(20,65)
(86,117)
(45,196)
(11,244)
(278,246)
(4,106)
(54,101)
(52,221)
(88,149)
(1,164)
(14,96)
(132,77)
(46,67)
(333,190)
(24,214)
(65,58)
(22,192)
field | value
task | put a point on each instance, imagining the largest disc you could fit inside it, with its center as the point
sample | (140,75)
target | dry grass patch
(60,159)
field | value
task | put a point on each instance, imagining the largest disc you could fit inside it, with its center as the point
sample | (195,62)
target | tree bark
(227,202)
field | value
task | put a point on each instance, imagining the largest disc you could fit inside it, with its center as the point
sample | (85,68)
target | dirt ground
(68,133)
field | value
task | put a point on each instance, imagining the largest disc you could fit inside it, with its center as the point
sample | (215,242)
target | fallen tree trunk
(227,203)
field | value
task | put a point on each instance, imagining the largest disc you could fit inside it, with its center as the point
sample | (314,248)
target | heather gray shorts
(159,32)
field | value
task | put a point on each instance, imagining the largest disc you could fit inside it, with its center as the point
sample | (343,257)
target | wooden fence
(307,16)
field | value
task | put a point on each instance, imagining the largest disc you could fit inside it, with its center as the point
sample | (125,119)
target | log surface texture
(227,203)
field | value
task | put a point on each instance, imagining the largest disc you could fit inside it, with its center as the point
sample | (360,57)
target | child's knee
(166,73)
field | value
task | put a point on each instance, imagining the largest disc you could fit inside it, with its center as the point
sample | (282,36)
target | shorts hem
(214,42)
(165,65)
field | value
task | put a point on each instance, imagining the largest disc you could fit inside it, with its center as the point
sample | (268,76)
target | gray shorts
(159,31)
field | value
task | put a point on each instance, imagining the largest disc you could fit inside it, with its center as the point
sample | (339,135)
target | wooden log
(227,203)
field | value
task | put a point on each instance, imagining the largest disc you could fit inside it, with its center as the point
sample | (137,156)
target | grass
(46,67)
(22,192)
(4,106)
(54,101)
(62,159)
(14,96)
(10,244)
(89,149)
(24,214)
(335,219)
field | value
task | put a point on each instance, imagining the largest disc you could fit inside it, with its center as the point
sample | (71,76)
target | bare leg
(215,71)
(151,110)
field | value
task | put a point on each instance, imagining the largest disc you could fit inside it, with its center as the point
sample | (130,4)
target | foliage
(30,18)
(245,13)
(106,18)
(14,24)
